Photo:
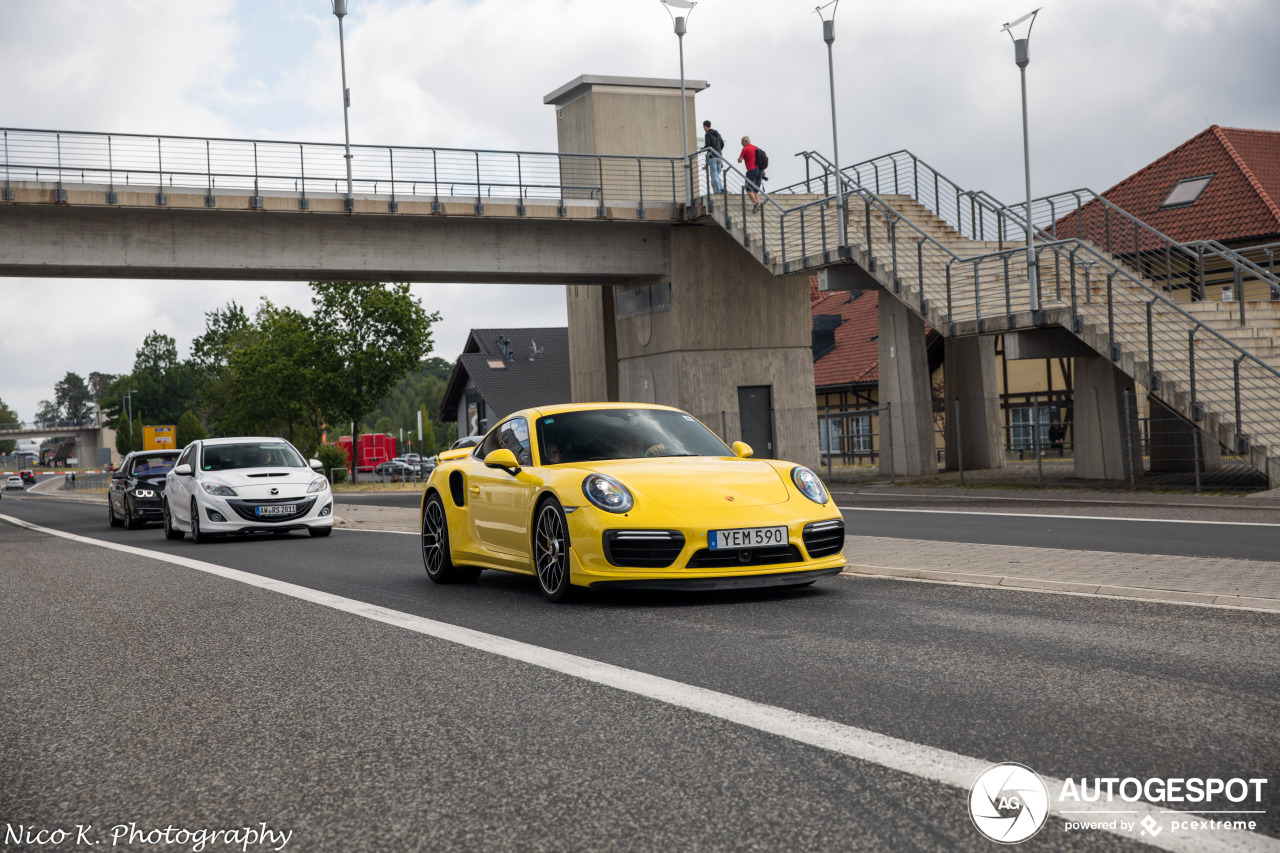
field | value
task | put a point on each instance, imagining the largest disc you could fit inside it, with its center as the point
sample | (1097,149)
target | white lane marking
(925,762)
(1059,517)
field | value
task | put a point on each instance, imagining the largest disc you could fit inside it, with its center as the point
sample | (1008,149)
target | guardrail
(159,164)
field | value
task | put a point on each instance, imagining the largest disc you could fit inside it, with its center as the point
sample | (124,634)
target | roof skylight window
(1186,191)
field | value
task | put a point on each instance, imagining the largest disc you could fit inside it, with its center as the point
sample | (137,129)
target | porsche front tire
(436,557)
(551,551)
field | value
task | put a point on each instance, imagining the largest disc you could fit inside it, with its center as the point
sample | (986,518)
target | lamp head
(679,20)
(339,8)
(828,21)
(1021,46)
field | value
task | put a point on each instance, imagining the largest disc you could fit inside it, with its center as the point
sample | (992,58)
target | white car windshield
(256,454)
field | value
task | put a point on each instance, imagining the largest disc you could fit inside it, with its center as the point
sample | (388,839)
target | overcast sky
(1113,84)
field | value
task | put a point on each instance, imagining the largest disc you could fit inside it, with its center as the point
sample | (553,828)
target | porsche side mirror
(742,450)
(183,470)
(315,464)
(504,459)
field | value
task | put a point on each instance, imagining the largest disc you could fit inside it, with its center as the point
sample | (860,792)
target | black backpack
(762,159)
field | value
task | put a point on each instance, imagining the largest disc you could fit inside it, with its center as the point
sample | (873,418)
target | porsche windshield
(258,454)
(596,434)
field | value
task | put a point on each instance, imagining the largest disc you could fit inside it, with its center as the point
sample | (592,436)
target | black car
(136,494)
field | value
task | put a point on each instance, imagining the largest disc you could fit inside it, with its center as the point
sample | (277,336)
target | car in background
(466,441)
(28,477)
(245,485)
(13,481)
(395,470)
(626,496)
(135,495)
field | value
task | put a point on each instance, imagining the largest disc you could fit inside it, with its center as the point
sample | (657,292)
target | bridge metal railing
(1185,269)
(160,164)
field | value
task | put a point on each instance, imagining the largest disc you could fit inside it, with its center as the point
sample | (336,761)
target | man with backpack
(715,146)
(756,162)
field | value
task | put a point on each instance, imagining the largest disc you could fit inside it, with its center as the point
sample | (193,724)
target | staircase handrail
(1259,272)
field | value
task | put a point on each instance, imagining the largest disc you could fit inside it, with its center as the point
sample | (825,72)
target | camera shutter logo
(1008,803)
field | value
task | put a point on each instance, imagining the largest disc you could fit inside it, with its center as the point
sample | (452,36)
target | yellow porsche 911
(625,496)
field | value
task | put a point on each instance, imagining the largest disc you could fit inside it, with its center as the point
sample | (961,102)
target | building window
(861,433)
(1020,421)
(1186,192)
(829,433)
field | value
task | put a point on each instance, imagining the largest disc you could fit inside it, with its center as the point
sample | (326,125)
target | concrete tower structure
(717,335)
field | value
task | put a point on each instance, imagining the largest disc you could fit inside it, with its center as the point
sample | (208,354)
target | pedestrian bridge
(1105,291)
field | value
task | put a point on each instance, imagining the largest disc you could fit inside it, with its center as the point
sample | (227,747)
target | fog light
(328,508)
(214,515)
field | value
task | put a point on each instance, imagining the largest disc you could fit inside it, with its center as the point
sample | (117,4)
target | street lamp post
(679,22)
(1022,56)
(829,36)
(340,12)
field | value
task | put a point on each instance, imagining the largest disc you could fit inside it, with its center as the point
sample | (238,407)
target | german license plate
(277,509)
(747,537)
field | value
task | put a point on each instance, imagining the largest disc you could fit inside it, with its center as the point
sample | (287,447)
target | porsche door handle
(475,491)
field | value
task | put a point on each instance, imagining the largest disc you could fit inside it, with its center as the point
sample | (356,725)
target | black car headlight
(607,493)
(809,484)
(144,493)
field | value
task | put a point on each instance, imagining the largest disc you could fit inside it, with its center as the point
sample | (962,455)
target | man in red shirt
(754,181)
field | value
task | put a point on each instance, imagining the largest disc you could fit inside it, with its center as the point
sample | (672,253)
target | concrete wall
(102,242)
(904,384)
(731,324)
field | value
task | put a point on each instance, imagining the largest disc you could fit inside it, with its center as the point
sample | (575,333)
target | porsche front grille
(824,538)
(643,549)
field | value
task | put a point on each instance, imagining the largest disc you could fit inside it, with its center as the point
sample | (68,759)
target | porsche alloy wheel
(551,552)
(435,546)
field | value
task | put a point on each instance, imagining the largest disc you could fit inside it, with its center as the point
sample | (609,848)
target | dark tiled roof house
(502,371)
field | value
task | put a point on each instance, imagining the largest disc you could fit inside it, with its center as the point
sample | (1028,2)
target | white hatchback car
(14,482)
(245,485)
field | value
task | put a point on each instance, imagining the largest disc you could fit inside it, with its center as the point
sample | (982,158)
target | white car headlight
(607,493)
(219,490)
(809,485)
(319,484)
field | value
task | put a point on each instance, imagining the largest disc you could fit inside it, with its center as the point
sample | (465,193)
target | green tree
(73,397)
(124,436)
(428,438)
(226,330)
(8,418)
(274,375)
(47,413)
(139,437)
(370,335)
(165,385)
(189,429)
(383,425)
(334,461)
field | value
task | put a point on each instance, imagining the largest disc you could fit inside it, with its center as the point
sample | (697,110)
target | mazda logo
(275,491)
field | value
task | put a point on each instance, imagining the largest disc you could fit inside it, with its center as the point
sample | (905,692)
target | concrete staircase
(1195,357)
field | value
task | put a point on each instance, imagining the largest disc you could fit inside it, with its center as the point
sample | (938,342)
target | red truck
(374,448)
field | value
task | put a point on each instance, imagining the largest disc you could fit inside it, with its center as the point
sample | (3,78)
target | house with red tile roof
(1222,184)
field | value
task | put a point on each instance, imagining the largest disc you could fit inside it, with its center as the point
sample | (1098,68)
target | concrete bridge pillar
(1105,428)
(969,375)
(904,384)
(1175,445)
(717,335)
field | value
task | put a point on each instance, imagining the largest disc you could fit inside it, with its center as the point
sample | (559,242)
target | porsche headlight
(317,485)
(809,485)
(219,490)
(607,493)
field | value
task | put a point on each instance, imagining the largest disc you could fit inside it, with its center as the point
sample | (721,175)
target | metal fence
(1040,444)
(158,164)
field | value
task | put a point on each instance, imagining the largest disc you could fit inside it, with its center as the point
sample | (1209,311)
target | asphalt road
(149,689)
